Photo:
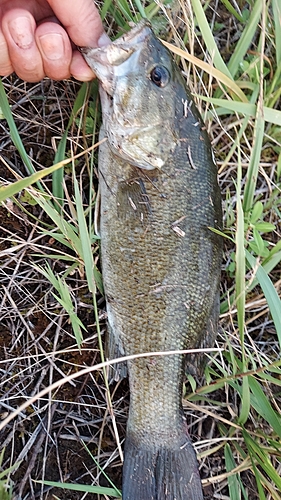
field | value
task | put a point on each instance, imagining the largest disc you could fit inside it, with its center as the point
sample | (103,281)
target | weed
(52,314)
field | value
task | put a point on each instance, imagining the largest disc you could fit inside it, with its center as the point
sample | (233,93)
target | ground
(65,433)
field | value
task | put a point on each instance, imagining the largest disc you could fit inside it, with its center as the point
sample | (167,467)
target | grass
(52,310)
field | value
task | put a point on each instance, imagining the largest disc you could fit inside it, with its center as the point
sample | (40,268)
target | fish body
(160,259)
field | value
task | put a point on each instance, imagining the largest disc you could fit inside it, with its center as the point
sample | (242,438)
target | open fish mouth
(118,58)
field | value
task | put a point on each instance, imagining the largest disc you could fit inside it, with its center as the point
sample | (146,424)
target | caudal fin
(160,473)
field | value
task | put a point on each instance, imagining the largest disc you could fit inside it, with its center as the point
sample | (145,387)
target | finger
(55,48)
(80,69)
(18,27)
(81,20)
(6,67)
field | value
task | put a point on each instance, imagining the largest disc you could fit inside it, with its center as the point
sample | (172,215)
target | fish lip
(136,34)
(113,59)
(138,31)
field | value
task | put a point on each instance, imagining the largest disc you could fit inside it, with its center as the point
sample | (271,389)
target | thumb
(81,21)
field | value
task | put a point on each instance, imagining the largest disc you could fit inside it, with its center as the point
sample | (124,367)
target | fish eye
(160,76)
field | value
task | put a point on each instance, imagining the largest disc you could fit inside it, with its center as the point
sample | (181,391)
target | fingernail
(52,45)
(21,31)
(103,40)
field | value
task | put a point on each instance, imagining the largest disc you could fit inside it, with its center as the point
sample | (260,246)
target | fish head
(138,86)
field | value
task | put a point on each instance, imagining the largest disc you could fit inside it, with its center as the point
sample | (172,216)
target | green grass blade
(99,490)
(100,468)
(240,291)
(65,300)
(245,400)
(84,239)
(4,104)
(208,38)
(233,483)
(76,323)
(273,258)
(240,257)
(258,481)
(140,8)
(105,8)
(233,11)
(223,106)
(276,8)
(270,293)
(126,11)
(268,265)
(245,39)
(253,169)
(258,454)
(88,259)
(69,231)
(58,175)
(16,187)
(262,405)
(272,116)
(6,492)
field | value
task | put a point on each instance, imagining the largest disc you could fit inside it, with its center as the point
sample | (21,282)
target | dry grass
(38,335)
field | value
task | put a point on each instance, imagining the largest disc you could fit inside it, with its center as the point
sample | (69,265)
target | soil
(65,433)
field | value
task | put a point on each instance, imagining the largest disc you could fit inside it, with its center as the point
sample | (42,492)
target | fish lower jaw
(128,144)
(156,163)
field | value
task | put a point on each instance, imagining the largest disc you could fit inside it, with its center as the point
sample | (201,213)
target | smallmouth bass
(160,260)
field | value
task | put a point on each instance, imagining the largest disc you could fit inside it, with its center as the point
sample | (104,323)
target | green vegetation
(6,485)
(231,56)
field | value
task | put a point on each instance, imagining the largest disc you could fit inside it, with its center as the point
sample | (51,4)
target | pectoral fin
(132,200)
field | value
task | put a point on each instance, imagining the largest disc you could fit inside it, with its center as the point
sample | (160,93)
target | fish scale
(160,259)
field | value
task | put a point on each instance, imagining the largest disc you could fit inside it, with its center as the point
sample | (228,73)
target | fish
(161,251)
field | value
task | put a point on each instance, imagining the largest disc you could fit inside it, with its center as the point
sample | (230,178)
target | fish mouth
(119,57)
(121,67)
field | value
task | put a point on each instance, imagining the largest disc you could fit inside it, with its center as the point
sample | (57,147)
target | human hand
(37,37)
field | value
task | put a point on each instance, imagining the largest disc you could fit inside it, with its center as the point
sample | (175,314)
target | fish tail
(156,472)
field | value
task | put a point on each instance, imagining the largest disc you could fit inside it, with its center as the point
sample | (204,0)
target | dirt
(37,345)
